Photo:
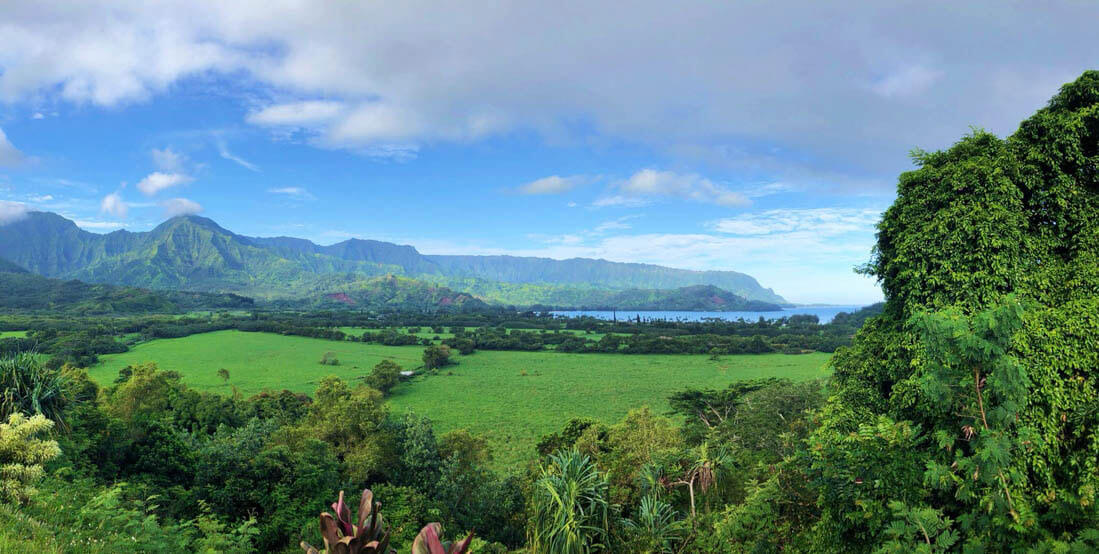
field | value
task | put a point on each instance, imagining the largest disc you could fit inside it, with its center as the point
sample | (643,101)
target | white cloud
(99,225)
(11,212)
(158,181)
(38,115)
(649,183)
(307,113)
(614,225)
(38,199)
(761,76)
(168,160)
(9,155)
(113,204)
(223,150)
(554,184)
(293,192)
(180,206)
(827,222)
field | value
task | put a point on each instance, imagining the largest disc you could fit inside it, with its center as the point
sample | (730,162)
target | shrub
(385,376)
(30,388)
(22,454)
(436,356)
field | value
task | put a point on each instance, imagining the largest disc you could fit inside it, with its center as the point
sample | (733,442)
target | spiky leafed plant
(364,537)
(705,470)
(28,388)
(571,512)
(428,542)
(654,528)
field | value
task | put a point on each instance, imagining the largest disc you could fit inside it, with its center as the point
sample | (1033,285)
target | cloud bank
(796,88)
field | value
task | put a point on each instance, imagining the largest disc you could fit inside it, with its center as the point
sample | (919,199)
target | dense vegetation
(23,291)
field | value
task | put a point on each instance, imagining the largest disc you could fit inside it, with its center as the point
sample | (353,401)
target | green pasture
(513,398)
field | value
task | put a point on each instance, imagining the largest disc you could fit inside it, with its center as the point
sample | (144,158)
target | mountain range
(196,254)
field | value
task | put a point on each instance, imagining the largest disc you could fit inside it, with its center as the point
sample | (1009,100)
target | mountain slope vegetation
(195,253)
(21,290)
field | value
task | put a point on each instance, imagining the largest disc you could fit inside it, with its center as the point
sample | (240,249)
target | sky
(761,137)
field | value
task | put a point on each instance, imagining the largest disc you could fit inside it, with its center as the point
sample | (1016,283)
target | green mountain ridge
(23,291)
(195,253)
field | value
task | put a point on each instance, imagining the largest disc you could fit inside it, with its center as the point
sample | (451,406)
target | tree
(983,413)
(468,449)
(22,454)
(224,374)
(384,376)
(436,357)
(705,469)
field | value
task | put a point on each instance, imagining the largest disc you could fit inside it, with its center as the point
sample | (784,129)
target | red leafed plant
(371,537)
(364,537)
(428,542)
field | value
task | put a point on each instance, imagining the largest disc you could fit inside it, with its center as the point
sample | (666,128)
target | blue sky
(763,138)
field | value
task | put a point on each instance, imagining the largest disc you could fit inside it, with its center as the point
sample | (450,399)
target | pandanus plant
(428,542)
(364,537)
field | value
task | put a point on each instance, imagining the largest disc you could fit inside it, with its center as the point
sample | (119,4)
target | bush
(385,376)
(436,356)
(22,455)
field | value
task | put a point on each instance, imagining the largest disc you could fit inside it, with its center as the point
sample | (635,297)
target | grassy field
(256,361)
(489,395)
(9,334)
(513,398)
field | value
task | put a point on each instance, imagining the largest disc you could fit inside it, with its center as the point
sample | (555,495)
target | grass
(10,334)
(256,361)
(489,395)
(513,398)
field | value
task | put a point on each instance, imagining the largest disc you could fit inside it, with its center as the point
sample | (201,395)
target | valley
(532,393)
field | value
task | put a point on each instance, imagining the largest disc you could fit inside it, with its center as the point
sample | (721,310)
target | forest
(960,416)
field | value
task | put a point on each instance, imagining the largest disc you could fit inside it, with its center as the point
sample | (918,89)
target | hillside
(27,292)
(703,298)
(389,293)
(195,253)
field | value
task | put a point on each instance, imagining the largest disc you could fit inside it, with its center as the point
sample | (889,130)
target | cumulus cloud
(293,192)
(180,206)
(554,184)
(9,155)
(762,78)
(649,183)
(113,204)
(158,181)
(11,212)
(168,160)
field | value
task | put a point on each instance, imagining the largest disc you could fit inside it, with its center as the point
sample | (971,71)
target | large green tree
(963,417)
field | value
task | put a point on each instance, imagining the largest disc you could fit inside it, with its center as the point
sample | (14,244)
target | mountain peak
(192,220)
